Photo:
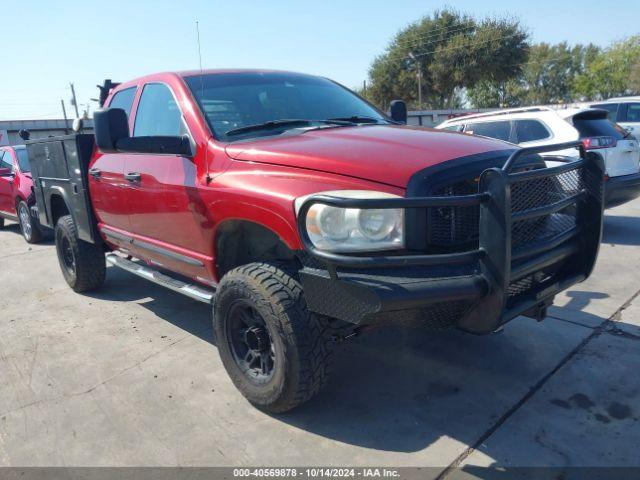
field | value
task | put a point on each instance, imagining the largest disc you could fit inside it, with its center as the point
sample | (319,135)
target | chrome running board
(195,292)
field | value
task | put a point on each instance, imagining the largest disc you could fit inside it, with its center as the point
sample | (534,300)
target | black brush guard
(481,289)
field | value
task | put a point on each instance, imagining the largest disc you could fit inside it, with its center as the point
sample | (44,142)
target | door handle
(95,172)
(132,177)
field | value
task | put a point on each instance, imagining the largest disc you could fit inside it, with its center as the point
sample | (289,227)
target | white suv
(625,111)
(534,126)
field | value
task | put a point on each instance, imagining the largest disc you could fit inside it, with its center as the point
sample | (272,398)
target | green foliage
(612,72)
(634,80)
(450,51)
(487,63)
(547,77)
(489,94)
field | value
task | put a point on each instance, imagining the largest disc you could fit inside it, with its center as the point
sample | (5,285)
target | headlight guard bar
(496,217)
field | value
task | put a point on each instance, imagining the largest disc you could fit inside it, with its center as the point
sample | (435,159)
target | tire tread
(91,265)
(36,232)
(310,333)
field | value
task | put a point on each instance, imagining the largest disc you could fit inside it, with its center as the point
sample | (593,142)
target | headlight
(353,229)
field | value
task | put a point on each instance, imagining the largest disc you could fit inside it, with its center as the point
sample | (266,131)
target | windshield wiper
(355,119)
(285,123)
(272,124)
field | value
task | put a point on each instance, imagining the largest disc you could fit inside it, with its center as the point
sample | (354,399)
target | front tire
(83,264)
(277,353)
(29,226)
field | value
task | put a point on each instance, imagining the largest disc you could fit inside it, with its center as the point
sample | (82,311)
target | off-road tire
(89,268)
(301,340)
(29,226)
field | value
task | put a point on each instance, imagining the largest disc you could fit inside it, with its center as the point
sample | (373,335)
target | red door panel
(166,211)
(6,184)
(109,191)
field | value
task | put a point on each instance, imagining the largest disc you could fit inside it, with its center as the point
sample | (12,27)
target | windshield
(231,101)
(23,160)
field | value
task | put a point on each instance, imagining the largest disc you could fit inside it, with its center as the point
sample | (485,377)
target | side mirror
(399,111)
(110,126)
(6,172)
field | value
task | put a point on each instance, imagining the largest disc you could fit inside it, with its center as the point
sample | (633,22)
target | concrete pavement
(130,376)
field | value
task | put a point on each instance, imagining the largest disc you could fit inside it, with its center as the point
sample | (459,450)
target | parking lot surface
(130,376)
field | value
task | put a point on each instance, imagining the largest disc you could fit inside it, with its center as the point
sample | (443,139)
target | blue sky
(48,44)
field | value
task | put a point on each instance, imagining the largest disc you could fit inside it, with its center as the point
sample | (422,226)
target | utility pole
(64,114)
(419,87)
(74,101)
(416,64)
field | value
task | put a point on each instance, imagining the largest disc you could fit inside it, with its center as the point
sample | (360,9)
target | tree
(546,78)
(548,75)
(610,73)
(447,52)
(634,80)
(488,94)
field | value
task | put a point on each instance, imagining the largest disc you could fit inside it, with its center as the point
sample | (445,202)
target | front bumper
(619,190)
(401,298)
(481,289)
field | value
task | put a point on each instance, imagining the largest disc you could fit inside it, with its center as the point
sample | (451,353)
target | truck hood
(386,154)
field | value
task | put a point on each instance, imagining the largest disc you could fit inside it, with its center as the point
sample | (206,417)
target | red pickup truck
(16,197)
(303,215)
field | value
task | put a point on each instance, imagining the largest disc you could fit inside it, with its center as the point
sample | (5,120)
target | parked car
(304,215)
(535,126)
(625,111)
(16,196)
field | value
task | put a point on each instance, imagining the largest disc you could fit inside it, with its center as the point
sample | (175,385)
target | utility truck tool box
(59,166)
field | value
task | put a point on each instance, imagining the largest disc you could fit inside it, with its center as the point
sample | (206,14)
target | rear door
(6,183)
(531,132)
(500,129)
(106,180)
(629,117)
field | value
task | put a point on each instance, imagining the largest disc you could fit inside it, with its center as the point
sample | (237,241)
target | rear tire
(277,353)
(83,264)
(29,226)
(1,222)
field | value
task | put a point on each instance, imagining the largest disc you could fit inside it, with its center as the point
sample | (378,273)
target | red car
(16,197)
(303,214)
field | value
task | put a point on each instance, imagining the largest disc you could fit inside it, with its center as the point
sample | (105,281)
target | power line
(456,47)
(416,40)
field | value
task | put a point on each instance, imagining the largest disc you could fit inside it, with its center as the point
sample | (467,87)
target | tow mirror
(399,111)
(111,128)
